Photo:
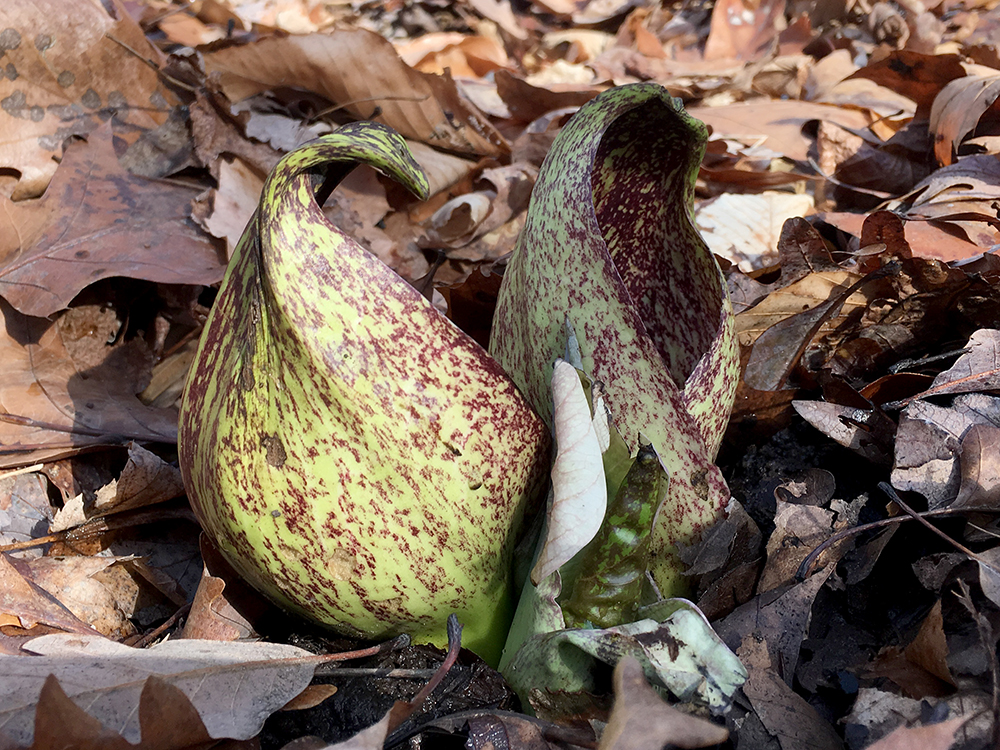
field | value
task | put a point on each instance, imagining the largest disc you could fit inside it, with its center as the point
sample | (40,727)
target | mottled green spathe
(355,456)
(611,247)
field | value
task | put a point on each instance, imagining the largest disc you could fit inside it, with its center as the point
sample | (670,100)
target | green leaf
(611,576)
(610,246)
(680,653)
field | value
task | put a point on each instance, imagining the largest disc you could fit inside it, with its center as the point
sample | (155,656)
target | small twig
(986,638)
(403,710)
(391,645)
(806,567)
(386,673)
(189,336)
(152,635)
(95,527)
(22,470)
(70,429)
(887,489)
(168,78)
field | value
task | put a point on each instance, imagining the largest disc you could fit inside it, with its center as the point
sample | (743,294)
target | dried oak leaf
(226,689)
(70,68)
(95,221)
(361,71)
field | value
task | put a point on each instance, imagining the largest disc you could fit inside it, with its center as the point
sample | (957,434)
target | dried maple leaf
(362,72)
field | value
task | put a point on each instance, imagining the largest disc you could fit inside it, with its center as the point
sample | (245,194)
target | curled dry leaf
(67,73)
(146,480)
(929,440)
(958,108)
(579,492)
(361,71)
(980,466)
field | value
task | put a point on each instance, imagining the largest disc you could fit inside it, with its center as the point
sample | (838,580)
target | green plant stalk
(354,456)
(611,577)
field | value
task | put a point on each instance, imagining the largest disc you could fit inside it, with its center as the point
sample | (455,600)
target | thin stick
(887,489)
(22,470)
(168,78)
(157,632)
(806,567)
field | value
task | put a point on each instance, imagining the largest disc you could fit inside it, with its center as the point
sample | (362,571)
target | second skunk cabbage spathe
(610,250)
(355,456)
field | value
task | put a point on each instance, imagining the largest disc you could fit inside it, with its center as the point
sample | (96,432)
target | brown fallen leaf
(642,720)
(361,71)
(958,108)
(868,432)
(52,406)
(777,351)
(939,736)
(927,240)
(807,293)
(779,123)
(779,617)
(917,76)
(216,130)
(798,530)
(96,221)
(929,648)
(225,211)
(786,715)
(527,102)
(224,606)
(67,73)
(74,583)
(743,30)
(25,604)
